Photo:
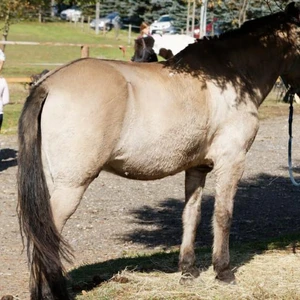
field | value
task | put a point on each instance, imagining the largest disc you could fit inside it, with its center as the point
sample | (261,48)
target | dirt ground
(119,216)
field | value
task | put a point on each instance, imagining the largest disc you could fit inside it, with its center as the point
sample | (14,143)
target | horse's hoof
(7,297)
(187,277)
(226,277)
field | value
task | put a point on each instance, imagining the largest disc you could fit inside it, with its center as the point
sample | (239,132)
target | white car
(163,25)
(71,14)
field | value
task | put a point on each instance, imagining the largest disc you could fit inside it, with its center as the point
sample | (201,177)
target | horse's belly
(155,161)
(143,170)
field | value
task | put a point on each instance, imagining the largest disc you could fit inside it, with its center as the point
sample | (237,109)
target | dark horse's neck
(250,58)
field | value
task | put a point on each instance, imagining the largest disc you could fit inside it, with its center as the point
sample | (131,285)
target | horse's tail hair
(44,243)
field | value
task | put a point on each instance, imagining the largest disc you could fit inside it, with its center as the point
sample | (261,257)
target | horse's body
(194,113)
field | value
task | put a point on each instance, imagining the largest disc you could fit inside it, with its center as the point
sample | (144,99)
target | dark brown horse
(196,112)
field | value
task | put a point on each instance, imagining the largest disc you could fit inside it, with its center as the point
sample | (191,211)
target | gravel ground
(118,216)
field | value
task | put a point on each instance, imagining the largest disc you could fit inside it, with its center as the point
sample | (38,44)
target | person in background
(4,93)
(144,30)
(117,26)
(143,46)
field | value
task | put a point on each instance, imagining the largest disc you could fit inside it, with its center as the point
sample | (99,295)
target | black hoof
(226,277)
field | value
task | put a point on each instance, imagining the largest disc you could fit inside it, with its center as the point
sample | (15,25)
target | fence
(84,52)
(80,22)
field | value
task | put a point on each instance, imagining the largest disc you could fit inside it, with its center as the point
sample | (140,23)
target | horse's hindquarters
(81,124)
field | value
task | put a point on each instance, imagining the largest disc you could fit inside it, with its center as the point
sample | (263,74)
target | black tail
(44,242)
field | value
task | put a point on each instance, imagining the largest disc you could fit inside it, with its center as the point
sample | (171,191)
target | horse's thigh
(64,201)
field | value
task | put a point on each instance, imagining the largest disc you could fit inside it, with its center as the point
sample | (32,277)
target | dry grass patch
(271,275)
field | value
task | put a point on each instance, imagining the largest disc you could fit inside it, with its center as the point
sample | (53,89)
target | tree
(12,11)
(140,8)
(233,13)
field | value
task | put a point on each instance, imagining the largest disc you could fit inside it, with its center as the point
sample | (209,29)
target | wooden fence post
(85,51)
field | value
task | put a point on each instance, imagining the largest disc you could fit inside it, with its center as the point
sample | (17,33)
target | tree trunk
(5,30)
(51,8)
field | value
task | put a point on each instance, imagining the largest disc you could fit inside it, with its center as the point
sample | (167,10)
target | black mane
(255,25)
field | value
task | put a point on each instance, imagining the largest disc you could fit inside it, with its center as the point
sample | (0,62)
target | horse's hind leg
(65,198)
(67,179)
(64,202)
(194,184)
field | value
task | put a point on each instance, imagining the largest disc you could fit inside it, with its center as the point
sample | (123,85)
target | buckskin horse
(196,112)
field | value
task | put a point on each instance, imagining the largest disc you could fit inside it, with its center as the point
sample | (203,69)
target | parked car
(163,25)
(58,8)
(107,22)
(212,28)
(71,14)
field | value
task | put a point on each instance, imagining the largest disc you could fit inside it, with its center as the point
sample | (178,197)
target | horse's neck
(260,65)
(251,64)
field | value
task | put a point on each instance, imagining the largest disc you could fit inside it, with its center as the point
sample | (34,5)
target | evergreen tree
(140,8)
(228,11)
(179,12)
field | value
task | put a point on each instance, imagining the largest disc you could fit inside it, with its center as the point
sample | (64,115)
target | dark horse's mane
(223,58)
(256,27)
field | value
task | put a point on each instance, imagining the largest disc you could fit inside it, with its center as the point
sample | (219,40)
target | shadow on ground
(266,208)
(8,158)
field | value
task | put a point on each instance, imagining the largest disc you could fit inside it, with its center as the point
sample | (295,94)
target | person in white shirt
(4,92)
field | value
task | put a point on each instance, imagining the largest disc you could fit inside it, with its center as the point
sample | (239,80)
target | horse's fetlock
(186,261)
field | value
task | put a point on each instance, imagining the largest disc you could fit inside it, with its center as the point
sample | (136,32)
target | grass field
(27,60)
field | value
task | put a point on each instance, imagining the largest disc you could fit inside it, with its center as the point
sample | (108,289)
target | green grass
(26,60)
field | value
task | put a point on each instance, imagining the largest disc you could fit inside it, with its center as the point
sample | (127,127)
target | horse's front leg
(194,184)
(228,174)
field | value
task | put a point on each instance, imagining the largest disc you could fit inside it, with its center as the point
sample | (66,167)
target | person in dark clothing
(143,50)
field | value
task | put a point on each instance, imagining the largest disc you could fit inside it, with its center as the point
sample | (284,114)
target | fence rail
(18,79)
(84,47)
(59,44)
(84,52)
